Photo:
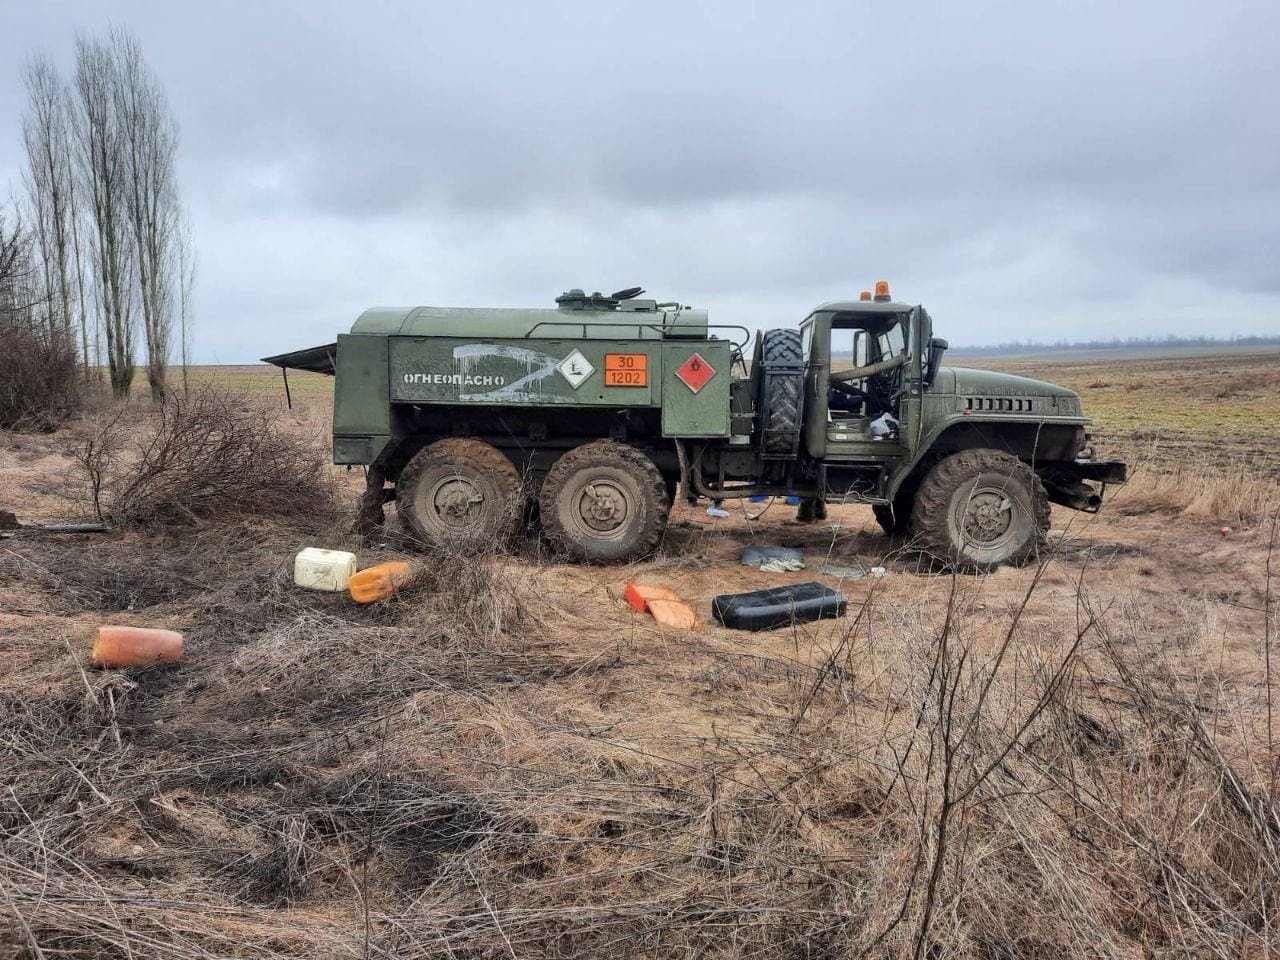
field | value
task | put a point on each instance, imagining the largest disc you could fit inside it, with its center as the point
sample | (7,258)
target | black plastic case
(778,606)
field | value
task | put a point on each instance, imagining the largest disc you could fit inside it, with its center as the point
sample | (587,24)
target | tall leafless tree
(102,188)
(91,346)
(102,167)
(50,177)
(187,265)
(149,139)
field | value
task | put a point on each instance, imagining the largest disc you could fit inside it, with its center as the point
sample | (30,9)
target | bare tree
(39,210)
(17,298)
(187,265)
(78,253)
(102,167)
(101,186)
(149,141)
(50,187)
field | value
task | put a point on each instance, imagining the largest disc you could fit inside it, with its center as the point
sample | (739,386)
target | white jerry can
(316,569)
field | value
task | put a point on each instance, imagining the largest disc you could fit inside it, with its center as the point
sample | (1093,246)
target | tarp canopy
(312,359)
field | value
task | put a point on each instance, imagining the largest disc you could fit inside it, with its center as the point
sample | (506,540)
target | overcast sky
(1027,170)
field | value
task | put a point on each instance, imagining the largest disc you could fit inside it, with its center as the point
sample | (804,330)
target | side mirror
(937,347)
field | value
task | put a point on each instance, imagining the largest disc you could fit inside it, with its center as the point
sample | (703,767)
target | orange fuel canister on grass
(673,613)
(135,647)
(638,595)
(380,582)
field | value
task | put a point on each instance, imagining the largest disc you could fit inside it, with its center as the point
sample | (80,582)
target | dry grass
(1233,492)
(1072,760)
(441,778)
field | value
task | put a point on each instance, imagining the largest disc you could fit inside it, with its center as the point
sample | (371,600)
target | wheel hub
(603,506)
(988,515)
(457,501)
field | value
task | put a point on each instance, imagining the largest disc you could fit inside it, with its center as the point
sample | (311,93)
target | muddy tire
(604,502)
(460,493)
(980,508)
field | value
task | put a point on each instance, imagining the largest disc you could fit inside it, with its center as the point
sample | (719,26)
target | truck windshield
(891,342)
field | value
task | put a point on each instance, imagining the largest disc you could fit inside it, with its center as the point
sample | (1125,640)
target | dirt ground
(1164,558)
(601,759)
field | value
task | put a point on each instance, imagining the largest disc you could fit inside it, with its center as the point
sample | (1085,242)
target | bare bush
(40,384)
(214,453)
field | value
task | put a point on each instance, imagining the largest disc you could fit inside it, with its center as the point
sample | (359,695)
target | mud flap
(369,508)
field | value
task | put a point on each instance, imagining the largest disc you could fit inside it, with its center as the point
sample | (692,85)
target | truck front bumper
(1064,481)
(1103,471)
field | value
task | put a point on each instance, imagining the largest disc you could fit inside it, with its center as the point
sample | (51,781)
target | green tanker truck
(598,410)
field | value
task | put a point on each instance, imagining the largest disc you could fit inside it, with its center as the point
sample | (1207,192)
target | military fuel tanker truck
(596,411)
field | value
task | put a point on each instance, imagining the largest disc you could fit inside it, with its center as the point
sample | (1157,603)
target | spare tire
(781,399)
(782,347)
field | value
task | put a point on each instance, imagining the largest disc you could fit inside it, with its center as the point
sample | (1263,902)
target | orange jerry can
(639,595)
(673,613)
(135,647)
(380,582)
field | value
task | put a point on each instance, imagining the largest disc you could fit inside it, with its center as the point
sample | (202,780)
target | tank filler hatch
(577,299)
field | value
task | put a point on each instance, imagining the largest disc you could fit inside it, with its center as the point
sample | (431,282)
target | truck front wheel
(604,502)
(980,508)
(459,493)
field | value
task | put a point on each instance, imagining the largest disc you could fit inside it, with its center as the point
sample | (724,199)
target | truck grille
(998,404)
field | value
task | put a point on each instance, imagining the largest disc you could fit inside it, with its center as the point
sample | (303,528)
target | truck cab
(862,368)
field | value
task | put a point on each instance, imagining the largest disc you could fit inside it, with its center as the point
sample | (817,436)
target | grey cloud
(1114,167)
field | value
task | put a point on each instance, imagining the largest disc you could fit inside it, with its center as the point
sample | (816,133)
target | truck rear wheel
(980,508)
(604,502)
(459,492)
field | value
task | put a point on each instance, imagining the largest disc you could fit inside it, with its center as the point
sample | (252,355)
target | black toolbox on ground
(778,606)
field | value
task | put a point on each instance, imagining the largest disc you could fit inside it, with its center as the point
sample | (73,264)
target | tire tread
(929,517)
(479,455)
(617,454)
(782,407)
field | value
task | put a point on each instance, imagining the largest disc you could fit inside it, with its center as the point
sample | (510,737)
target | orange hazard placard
(695,372)
(626,370)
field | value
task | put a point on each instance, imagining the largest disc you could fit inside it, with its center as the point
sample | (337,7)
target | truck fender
(958,423)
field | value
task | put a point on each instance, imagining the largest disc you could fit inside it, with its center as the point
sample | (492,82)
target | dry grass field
(1072,759)
(1171,406)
